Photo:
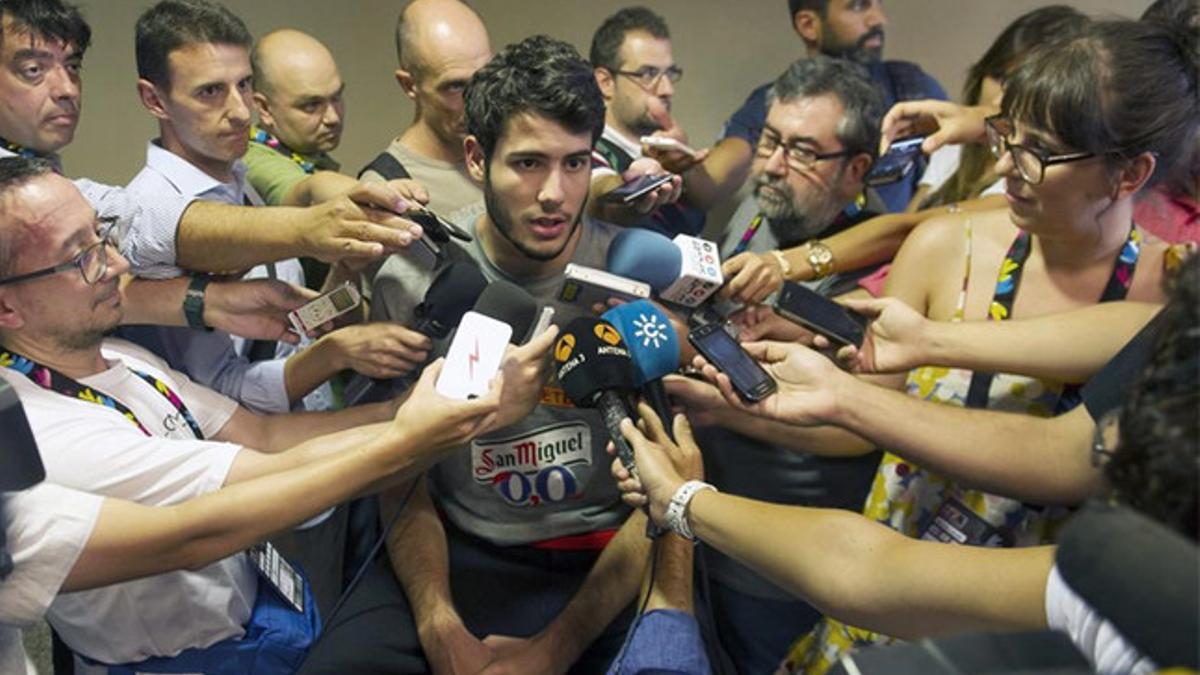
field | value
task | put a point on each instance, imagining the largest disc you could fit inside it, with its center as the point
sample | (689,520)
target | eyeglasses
(798,157)
(1031,163)
(92,262)
(648,76)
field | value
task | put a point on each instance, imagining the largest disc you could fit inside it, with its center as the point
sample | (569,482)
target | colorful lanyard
(19,150)
(1010,280)
(261,137)
(52,380)
(852,209)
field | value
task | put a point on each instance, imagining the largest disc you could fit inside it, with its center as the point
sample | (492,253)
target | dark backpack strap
(387,166)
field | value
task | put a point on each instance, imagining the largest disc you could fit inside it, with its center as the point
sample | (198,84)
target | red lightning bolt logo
(472,359)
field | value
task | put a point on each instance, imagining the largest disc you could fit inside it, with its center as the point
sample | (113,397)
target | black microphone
(453,291)
(595,370)
(505,301)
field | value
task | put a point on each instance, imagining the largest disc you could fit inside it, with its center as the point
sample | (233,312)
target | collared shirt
(149,222)
(213,358)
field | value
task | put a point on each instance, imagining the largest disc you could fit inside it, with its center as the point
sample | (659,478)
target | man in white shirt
(112,419)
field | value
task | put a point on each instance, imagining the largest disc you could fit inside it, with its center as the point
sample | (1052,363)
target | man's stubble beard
(499,217)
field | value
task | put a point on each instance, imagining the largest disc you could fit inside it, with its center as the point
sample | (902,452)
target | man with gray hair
(820,139)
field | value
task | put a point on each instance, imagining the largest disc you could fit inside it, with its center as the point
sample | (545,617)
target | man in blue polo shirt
(851,29)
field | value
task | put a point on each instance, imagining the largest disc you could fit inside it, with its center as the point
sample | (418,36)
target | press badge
(957,524)
(283,578)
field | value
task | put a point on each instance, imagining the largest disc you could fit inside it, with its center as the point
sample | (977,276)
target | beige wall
(725,48)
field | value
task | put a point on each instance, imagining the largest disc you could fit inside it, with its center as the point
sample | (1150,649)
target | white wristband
(677,509)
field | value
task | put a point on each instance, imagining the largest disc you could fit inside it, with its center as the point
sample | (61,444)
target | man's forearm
(309,368)
(1068,347)
(1041,460)
(419,555)
(719,176)
(214,237)
(868,575)
(671,584)
(826,441)
(289,430)
(130,540)
(609,587)
(318,187)
(153,302)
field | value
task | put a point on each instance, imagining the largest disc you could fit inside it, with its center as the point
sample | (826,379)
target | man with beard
(522,533)
(636,72)
(819,140)
(843,29)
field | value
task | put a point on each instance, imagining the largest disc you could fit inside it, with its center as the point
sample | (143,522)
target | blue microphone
(645,256)
(653,347)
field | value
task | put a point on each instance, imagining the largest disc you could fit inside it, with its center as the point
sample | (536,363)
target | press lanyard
(52,380)
(19,150)
(261,137)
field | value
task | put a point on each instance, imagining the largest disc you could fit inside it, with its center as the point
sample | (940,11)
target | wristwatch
(677,508)
(193,302)
(820,259)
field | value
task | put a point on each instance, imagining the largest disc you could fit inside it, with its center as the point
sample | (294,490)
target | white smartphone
(475,355)
(324,309)
(586,286)
(664,143)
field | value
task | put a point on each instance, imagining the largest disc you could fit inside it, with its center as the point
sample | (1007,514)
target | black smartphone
(897,162)
(749,379)
(436,227)
(637,187)
(821,315)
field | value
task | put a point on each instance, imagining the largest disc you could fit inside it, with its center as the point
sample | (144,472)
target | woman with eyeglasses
(1084,127)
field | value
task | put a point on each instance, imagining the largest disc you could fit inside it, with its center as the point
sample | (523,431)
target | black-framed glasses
(798,157)
(648,76)
(92,262)
(1031,163)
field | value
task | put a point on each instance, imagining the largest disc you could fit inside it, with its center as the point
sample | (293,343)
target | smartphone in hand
(638,187)
(475,355)
(751,382)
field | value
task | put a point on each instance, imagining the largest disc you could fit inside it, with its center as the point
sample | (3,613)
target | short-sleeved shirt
(449,185)
(96,449)
(149,223)
(899,80)
(1095,637)
(544,477)
(273,174)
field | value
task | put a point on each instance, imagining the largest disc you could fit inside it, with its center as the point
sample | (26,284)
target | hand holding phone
(897,163)
(474,356)
(324,309)
(751,382)
(638,187)
(668,143)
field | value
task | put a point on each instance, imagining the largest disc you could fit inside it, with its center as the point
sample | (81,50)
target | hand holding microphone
(666,461)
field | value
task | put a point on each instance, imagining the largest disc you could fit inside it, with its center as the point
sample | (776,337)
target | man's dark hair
(172,24)
(1156,465)
(606,43)
(818,6)
(538,75)
(858,129)
(1182,14)
(15,172)
(48,20)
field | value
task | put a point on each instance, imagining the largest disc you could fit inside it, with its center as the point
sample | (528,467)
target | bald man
(440,44)
(298,96)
